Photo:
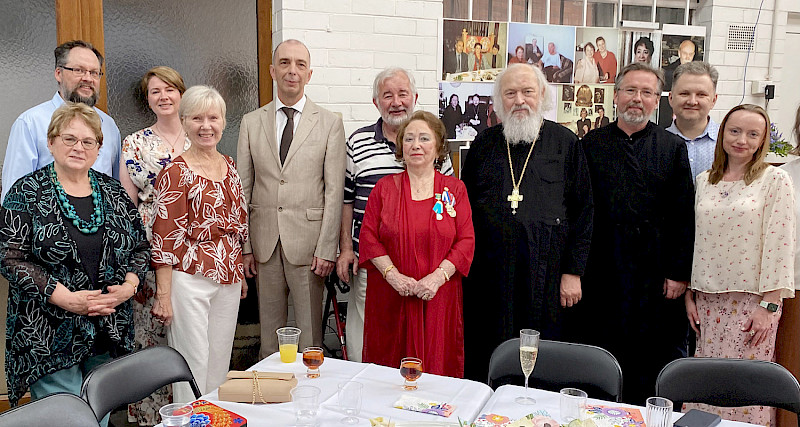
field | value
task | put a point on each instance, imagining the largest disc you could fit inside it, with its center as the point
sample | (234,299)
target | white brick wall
(717,15)
(351,41)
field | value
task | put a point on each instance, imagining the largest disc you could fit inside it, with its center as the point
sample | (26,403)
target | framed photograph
(597,51)
(548,47)
(591,107)
(641,46)
(680,44)
(473,50)
(468,109)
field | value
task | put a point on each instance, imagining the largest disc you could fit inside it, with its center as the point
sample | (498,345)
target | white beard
(523,130)
(395,121)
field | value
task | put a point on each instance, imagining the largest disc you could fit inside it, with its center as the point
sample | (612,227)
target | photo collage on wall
(580,64)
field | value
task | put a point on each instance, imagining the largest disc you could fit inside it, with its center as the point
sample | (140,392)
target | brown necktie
(288,132)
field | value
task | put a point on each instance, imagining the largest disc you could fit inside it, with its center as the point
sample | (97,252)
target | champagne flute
(528,350)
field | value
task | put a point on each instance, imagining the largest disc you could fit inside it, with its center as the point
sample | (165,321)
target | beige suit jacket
(299,203)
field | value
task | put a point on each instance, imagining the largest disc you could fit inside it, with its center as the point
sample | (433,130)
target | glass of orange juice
(287,343)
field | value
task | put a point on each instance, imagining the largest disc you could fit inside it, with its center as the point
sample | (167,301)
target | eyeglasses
(646,93)
(81,72)
(88,143)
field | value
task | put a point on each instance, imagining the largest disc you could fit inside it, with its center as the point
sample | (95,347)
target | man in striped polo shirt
(370,157)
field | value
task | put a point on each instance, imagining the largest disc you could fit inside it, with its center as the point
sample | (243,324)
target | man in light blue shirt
(78,72)
(693,95)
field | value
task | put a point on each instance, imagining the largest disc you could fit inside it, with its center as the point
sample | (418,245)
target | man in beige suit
(291,160)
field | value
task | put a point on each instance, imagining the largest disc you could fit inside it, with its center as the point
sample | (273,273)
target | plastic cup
(176,414)
(659,412)
(288,338)
(306,404)
(573,404)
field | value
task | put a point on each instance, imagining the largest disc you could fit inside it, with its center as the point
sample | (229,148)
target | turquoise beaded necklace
(94,223)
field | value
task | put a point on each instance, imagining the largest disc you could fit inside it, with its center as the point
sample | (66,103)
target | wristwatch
(770,306)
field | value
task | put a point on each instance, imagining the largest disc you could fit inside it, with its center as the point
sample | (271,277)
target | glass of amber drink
(411,370)
(313,358)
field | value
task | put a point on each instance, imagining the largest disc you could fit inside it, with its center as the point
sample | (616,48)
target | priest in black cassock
(531,199)
(641,253)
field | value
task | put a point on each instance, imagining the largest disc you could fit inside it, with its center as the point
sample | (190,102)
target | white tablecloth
(502,403)
(382,387)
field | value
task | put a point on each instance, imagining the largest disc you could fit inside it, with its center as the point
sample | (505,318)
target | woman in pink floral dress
(144,154)
(199,228)
(743,263)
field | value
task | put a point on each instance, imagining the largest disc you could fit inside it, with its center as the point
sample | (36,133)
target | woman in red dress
(416,243)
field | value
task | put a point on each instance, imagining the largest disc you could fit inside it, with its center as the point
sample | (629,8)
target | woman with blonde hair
(199,229)
(144,153)
(744,245)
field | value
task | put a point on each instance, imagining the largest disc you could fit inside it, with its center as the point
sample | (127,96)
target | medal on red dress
(438,208)
(449,202)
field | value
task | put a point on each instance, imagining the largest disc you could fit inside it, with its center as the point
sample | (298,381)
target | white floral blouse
(145,155)
(744,235)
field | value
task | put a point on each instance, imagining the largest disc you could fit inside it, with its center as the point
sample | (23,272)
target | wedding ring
(752,333)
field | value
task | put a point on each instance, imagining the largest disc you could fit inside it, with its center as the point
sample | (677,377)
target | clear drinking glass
(313,358)
(350,400)
(659,412)
(176,414)
(411,370)
(528,350)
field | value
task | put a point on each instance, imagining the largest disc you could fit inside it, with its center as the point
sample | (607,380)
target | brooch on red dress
(449,202)
(438,208)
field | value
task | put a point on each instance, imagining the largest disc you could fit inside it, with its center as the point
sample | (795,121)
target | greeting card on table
(614,416)
(539,418)
(207,414)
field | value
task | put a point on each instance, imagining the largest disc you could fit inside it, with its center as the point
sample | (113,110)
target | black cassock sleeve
(679,219)
(580,211)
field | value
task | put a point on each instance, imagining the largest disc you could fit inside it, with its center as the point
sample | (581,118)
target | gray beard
(523,130)
(634,118)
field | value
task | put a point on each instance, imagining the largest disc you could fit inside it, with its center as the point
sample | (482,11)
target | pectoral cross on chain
(515,198)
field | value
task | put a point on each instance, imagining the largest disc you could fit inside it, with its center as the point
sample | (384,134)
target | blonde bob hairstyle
(199,99)
(64,115)
(756,166)
(439,132)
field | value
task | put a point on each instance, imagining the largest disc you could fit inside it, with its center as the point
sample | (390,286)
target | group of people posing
(113,245)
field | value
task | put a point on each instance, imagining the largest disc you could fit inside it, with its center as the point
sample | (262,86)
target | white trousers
(354,328)
(202,329)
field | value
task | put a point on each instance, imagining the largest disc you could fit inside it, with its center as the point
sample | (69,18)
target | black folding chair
(333,286)
(558,365)
(729,383)
(61,409)
(133,377)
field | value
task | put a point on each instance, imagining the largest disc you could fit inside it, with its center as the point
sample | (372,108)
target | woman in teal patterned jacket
(73,249)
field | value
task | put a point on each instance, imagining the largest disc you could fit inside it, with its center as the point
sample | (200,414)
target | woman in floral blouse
(743,263)
(73,249)
(198,232)
(144,154)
